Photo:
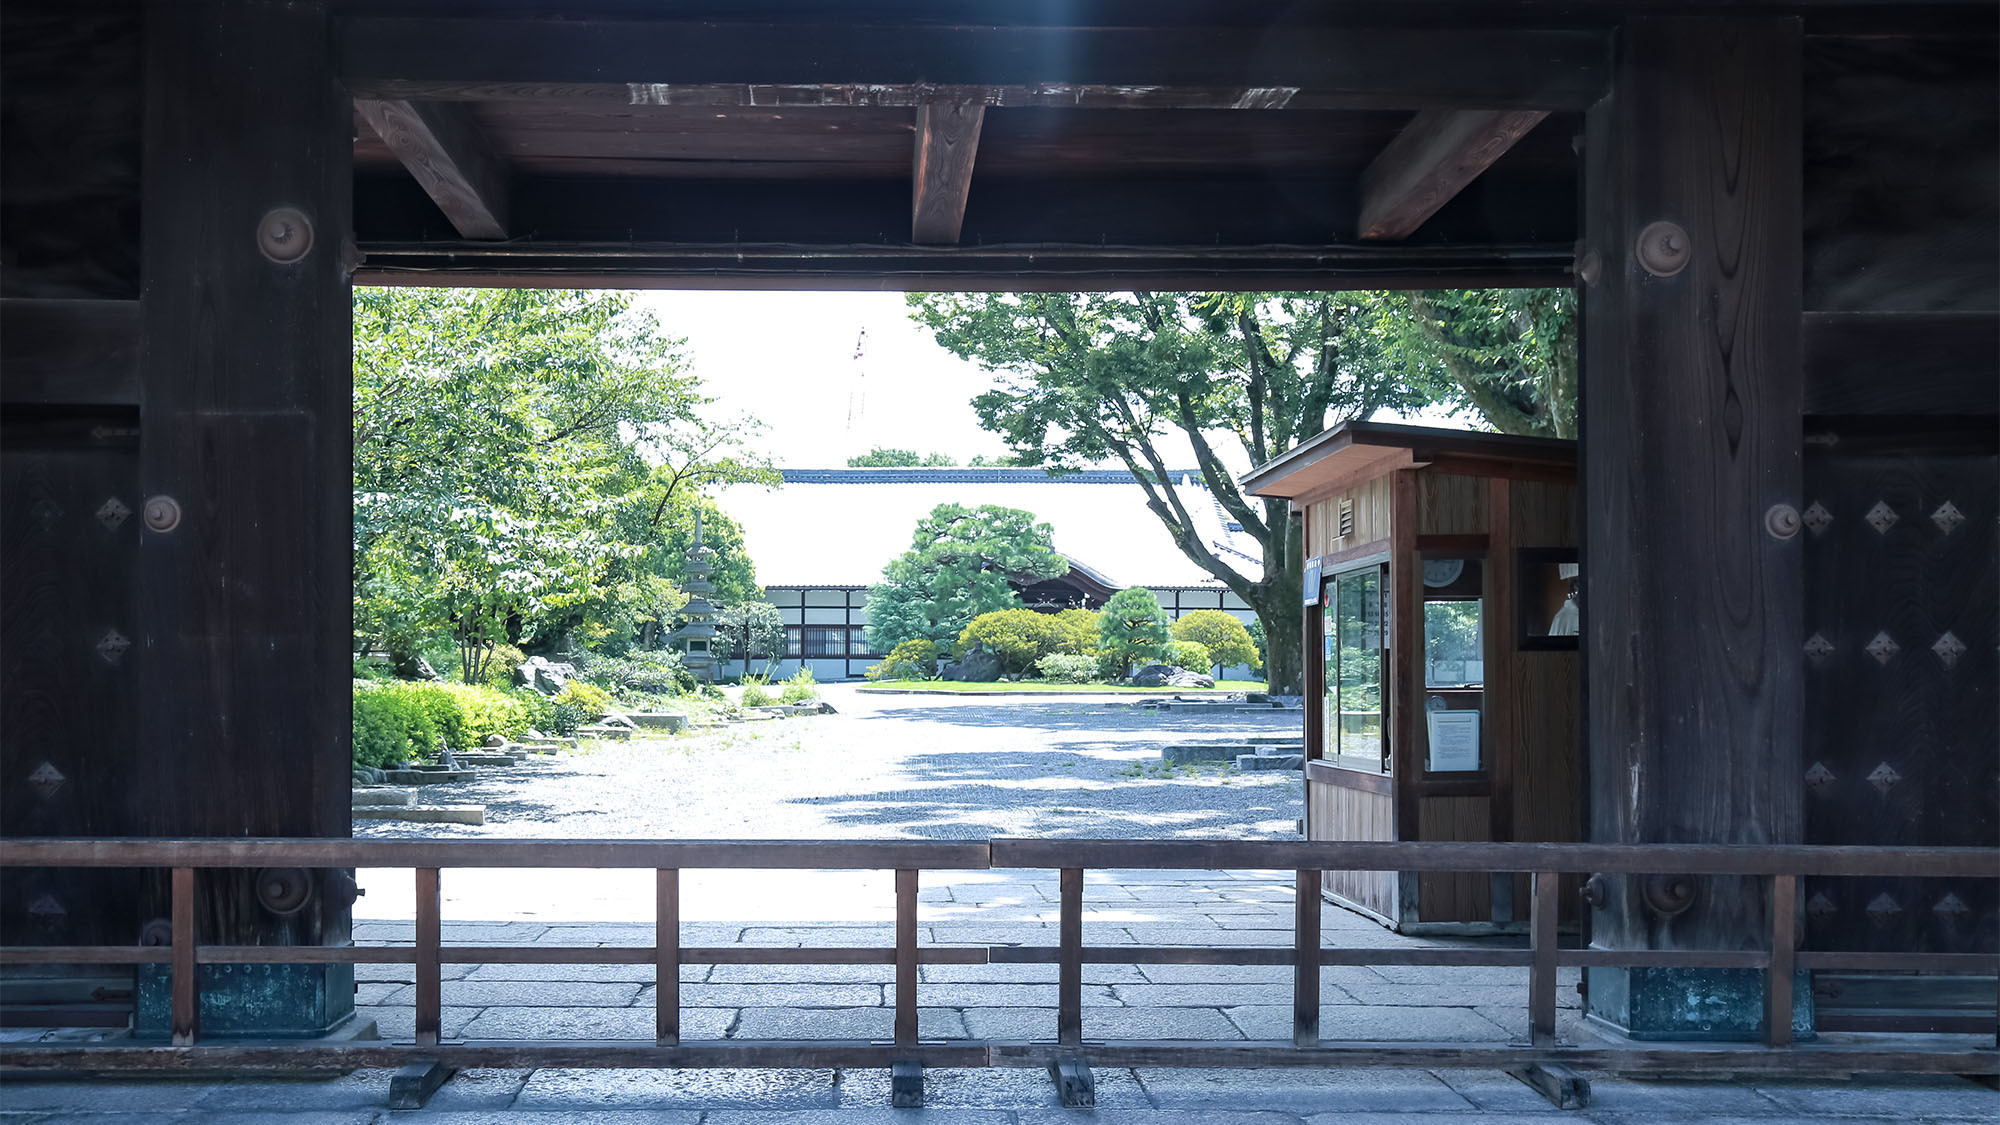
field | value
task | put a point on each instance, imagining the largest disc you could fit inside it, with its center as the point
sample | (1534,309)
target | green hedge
(402,722)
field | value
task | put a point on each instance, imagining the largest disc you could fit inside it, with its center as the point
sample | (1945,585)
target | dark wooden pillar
(1691,434)
(245,432)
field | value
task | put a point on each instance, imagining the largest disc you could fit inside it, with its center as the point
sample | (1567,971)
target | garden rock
(543,676)
(1166,675)
(367,775)
(977,666)
(616,719)
(496,741)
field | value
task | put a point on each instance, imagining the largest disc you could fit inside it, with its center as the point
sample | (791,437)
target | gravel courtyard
(938,767)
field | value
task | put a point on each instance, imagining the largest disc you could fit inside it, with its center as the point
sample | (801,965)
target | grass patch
(957,688)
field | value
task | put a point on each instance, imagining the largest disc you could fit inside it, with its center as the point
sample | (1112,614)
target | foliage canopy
(960,564)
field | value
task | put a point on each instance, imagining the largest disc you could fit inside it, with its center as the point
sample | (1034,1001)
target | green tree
(1508,354)
(1227,641)
(881,458)
(754,628)
(1133,627)
(500,437)
(962,562)
(1076,631)
(1094,377)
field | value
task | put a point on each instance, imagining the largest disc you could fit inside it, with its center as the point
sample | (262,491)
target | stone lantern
(697,636)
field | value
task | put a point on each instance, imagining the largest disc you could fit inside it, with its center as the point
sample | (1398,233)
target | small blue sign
(1312,582)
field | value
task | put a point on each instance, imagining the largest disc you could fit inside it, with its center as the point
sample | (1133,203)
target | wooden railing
(1067,1050)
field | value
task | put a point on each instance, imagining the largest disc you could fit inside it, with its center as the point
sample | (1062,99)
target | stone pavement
(1002,1001)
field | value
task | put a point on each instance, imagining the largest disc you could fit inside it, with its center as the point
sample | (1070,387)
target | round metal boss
(1663,248)
(284,890)
(284,234)
(163,513)
(1669,895)
(1783,521)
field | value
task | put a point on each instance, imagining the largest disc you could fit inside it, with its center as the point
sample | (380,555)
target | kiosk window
(1352,632)
(1454,662)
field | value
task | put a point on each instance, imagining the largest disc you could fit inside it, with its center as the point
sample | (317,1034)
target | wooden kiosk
(1441,654)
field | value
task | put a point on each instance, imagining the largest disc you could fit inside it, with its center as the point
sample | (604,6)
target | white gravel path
(895,766)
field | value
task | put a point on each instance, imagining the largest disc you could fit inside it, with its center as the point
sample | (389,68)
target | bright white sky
(788,359)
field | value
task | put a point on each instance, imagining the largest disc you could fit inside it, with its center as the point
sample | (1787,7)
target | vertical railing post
(1542,972)
(430,937)
(1305,965)
(1778,978)
(1069,962)
(906,958)
(186,989)
(667,956)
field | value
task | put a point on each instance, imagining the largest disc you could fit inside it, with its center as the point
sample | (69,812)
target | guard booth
(1441,655)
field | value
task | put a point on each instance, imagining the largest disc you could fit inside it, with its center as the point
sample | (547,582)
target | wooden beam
(653,62)
(947,142)
(443,148)
(1430,161)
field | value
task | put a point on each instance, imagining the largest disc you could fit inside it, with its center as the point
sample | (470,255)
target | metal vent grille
(1345,522)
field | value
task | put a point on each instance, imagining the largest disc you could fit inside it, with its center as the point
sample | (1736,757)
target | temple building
(820,539)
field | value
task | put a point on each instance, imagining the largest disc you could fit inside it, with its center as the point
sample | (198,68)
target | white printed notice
(1454,740)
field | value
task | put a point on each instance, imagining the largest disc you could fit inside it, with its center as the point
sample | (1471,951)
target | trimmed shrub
(801,688)
(1067,668)
(1018,637)
(754,693)
(1229,643)
(1192,655)
(1076,631)
(564,719)
(911,660)
(402,722)
(586,697)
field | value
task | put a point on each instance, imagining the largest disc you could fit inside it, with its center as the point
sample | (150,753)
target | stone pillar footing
(1713,1005)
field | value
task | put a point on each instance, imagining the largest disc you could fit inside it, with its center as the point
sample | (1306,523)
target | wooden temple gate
(1781,223)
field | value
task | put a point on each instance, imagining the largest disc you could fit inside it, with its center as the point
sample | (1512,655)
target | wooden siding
(1371,518)
(1339,813)
(1454,897)
(1450,504)
(1543,514)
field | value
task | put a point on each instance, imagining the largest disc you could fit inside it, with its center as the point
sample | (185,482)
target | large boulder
(539,673)
(977,666)
(1166,675)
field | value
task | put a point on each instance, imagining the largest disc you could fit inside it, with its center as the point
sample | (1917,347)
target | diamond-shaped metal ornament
(1817,518)
(112,646)
(112,512)
(1820,908)
(46,780)
(1950,908)
(1881,517)
(1884,778)
(1882,910)
(1883,648)
(1949,649)
(1818,648)
(1819,779)
(1947,517)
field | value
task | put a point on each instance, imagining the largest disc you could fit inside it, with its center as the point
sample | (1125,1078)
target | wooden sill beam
(947,142)
(443,149)
(1430,161)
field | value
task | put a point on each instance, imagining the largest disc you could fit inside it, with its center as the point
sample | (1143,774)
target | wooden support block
(906,1084)
(413,1085)
(1074,1085)
(1565,1088)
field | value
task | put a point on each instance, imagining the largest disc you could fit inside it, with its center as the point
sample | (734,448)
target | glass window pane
(1354,670)
(1453,653)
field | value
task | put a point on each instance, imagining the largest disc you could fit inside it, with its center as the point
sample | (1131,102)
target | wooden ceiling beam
(650,62)
(1432,160)
(443,149)
(941,179)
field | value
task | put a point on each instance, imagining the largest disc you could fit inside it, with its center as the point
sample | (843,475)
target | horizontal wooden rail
(427,860)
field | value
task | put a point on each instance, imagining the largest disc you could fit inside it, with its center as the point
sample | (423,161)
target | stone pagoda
(697,635)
